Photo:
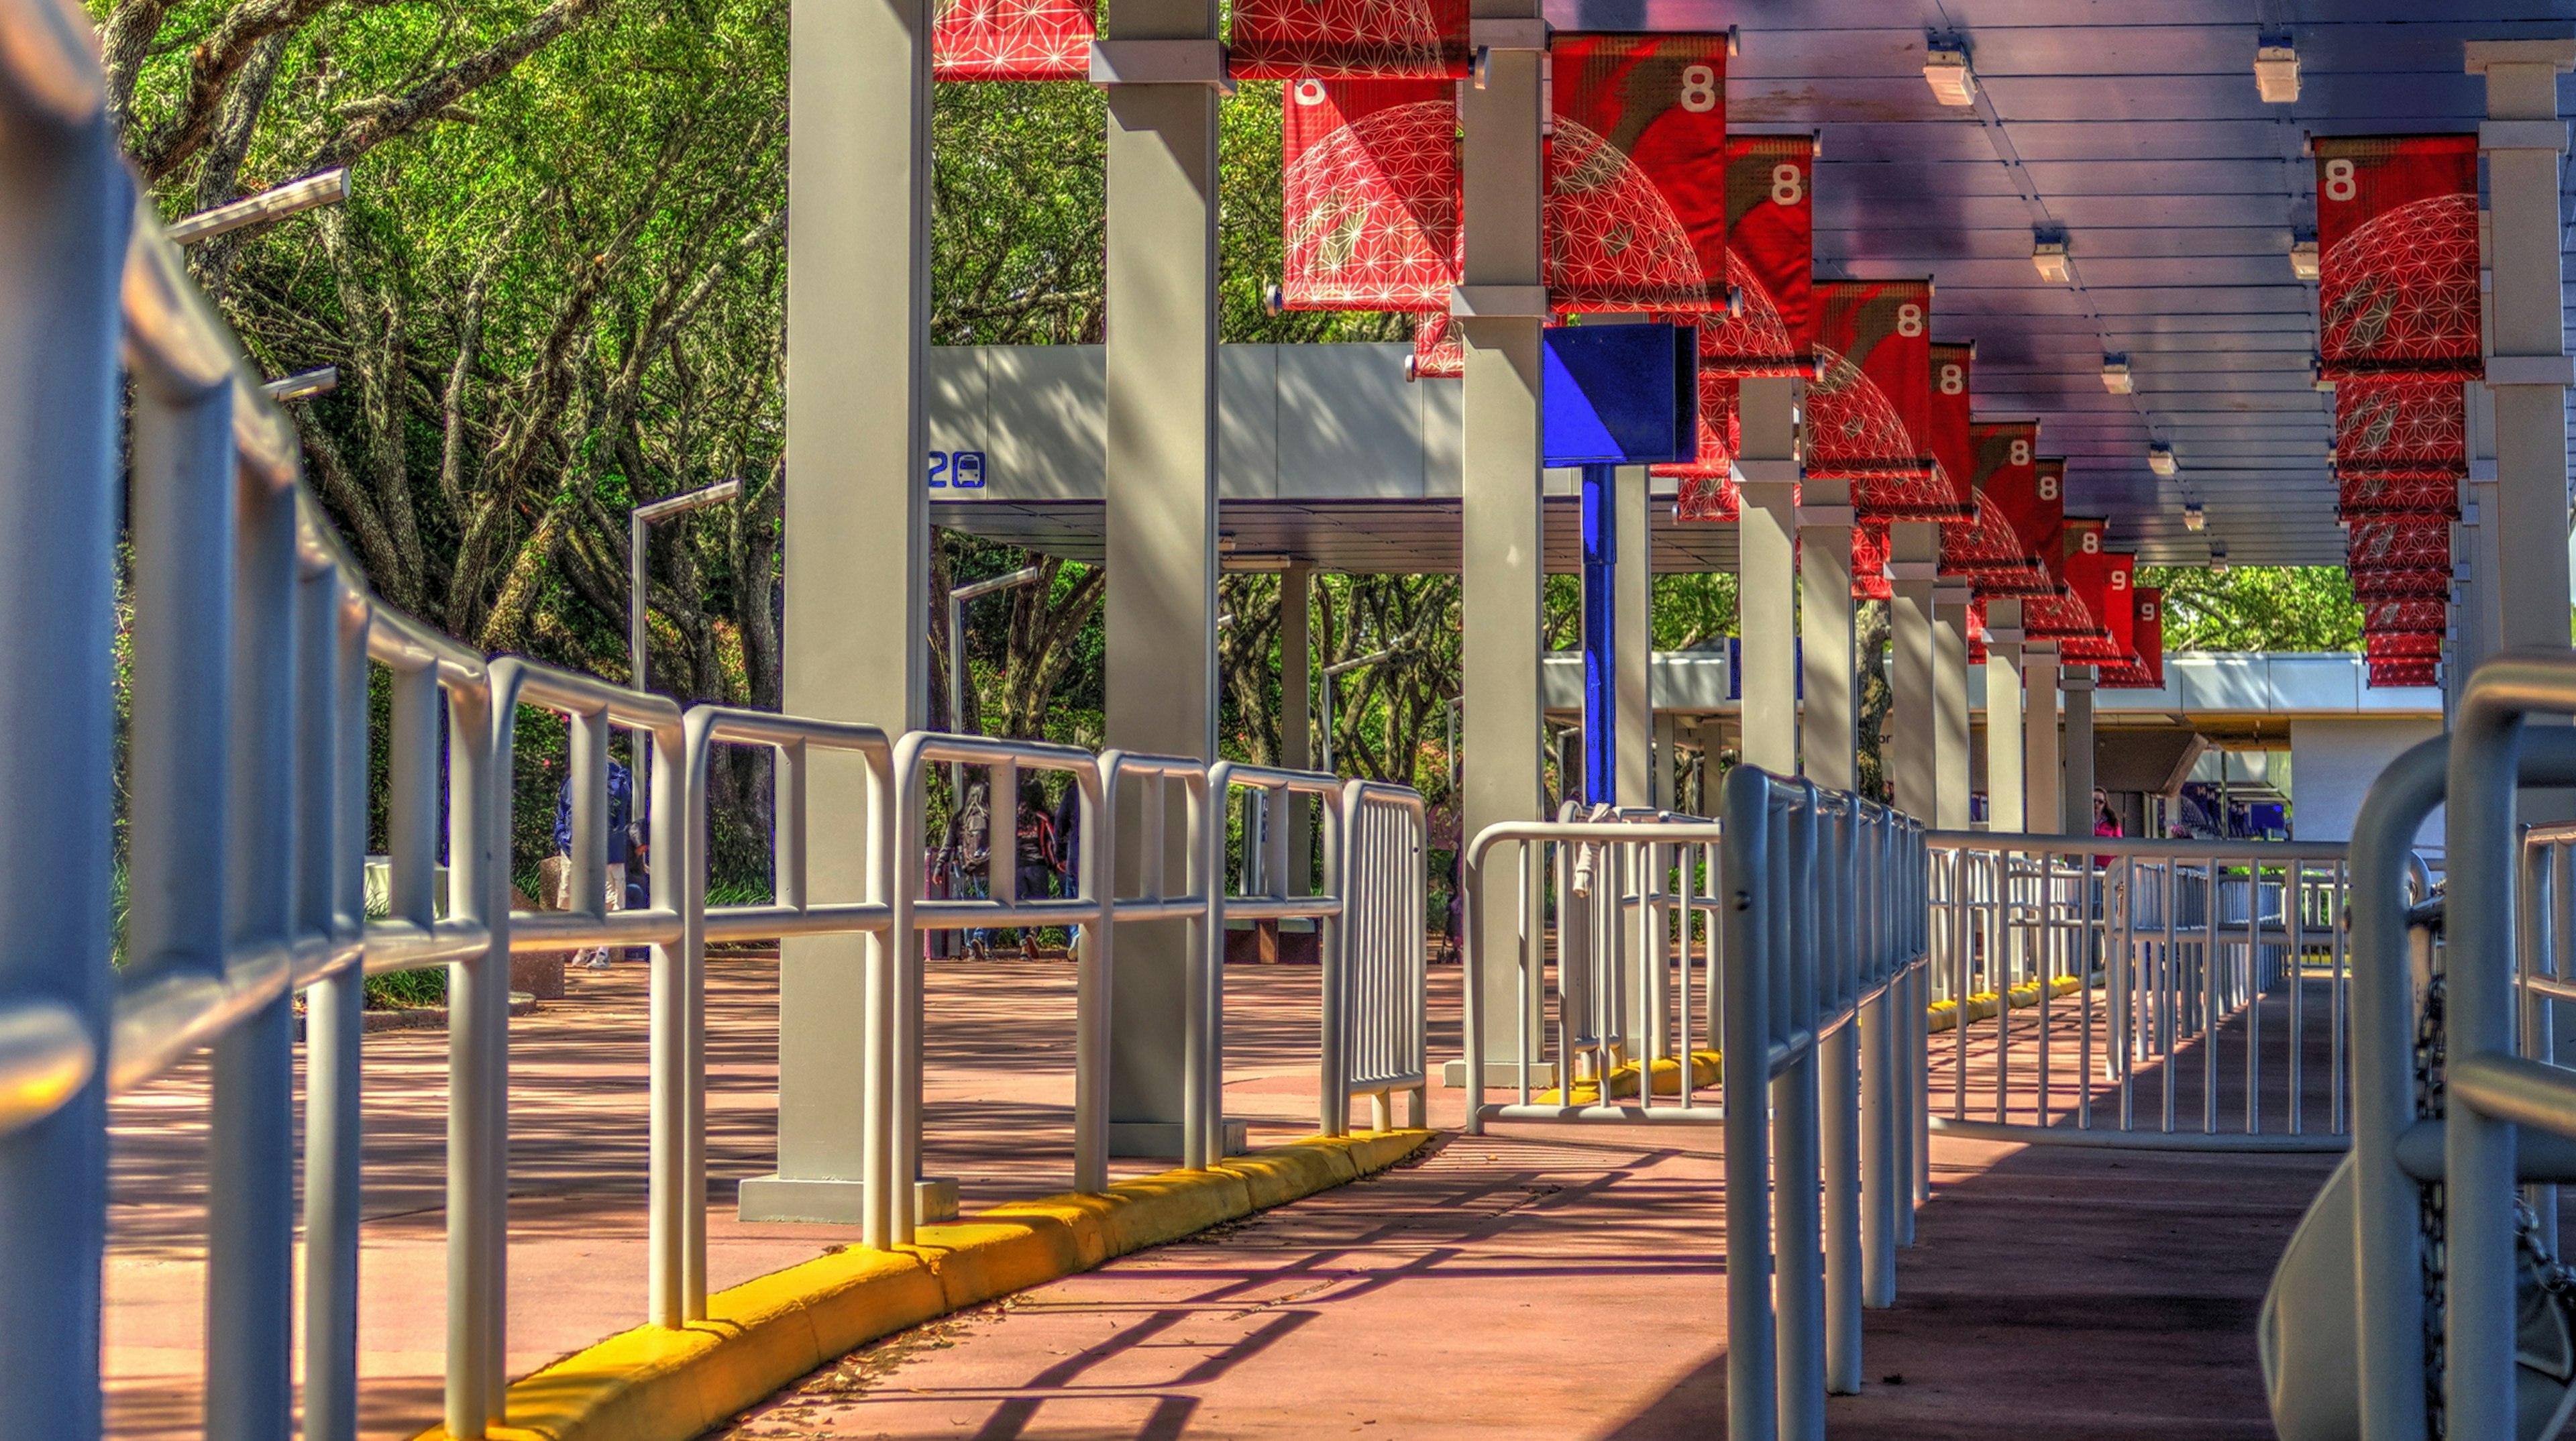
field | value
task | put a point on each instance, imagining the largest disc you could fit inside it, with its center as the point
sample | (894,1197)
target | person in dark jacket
(1033,862)
(1067,856)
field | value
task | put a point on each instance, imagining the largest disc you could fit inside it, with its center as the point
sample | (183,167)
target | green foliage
(2258,608)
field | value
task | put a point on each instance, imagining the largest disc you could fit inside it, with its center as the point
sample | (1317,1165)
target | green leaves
(2277,608)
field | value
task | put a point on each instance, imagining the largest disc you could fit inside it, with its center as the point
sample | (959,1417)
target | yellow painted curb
(650,1384)
(1707,1069)
(1944,1015)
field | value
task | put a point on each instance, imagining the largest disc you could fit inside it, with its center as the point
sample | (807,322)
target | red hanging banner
(2397,240)
(2409,644)
(1954,453)
(2401,542)
(1349,40)
(2083,572)
(2394,672)
(1438,351)
(2119,612)
(1636,173)
(1870,552)
(2396,615)
(1770,260)
(1869,409)
(2147,646)
(1371,204)
(2401,444)
(1012,39)
(2003,482)
(2029,490)
(1708,483)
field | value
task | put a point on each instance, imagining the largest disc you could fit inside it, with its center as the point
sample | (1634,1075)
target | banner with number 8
(2397,241)
(1372,194)
(1636,173)
(1869,409)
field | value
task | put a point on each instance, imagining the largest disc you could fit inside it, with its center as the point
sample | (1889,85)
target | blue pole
(1600,635)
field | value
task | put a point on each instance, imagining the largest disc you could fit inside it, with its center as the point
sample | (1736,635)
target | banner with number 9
(1636,173)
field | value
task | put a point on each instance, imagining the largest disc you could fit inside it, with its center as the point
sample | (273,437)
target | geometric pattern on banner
(1708,497)
(2401,583)
(2413,644)
(1011,40)
(2003,482)
(2086,573)
(2367,495)
(2410,615)
(1348,40)
(2404,672)
(2399,426)
(1870,552)
(1439,352)
(1953,452)
(1869,407)
(1770,260)
(2060,617)
(1635,213)
(2400,542)
(1721,438)
(2397,232)
(1977,632)
(1372,198)
(1983,547)
(2146,670)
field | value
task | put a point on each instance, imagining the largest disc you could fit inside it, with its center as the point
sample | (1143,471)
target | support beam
(1160,544)
(1914,560)
(2040,776)
(1633,640)
(1950,702)
(857,552)
(1828,727)
(1766,586)
(1599,502)
(2077,683)
(2525,145)
(1500,588)
(2003,717)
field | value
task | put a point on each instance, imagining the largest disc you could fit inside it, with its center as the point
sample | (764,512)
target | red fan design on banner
(2404,672)
(1770,260)
(1438,352)
(2405,644)
(2084,571)
(2395,615)
(1869,408)
(1708,483)
(2358,496)
(2003,483)
(2114,611)
(2146,667)
(2376,583)
(2402,428)
(1976,632)
(1870,552)
(1953,451)
(1371,194)
(1636,173)
(1012,40)
(1349,40)
(2397,235)
(2401,542)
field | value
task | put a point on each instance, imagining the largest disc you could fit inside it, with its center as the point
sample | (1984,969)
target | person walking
(621,800)
(1066,856)
(1033,862)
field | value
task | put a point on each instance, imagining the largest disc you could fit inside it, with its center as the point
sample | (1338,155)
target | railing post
(1830,882)
(1797,1219)
(332,1025)
(476,1192)
(1747,915)
(1887,1178)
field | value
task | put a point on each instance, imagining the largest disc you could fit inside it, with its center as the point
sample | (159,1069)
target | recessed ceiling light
(2193,518)
(2276,70)
(1945,69)
(2160,459)
(2115,375)
(2303,259)
(2048,256)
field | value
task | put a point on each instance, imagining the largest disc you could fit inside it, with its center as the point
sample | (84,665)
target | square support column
(1665,794)
(2077,683)
(1950,701)
(1296,680)
(1766,585)
(1160,544)
(2040,772)
(2003,717)
(1635,638)
(2525,144)
(1914,562)
(857,529)
(1827,726)
(1501,585)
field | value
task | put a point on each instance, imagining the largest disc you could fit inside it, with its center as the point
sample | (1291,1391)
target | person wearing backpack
(1033,862)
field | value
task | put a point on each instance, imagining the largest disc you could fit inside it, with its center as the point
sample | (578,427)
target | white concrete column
(1296,682)
(1950,701)
(2525,144)
(1766,606)
(1913,746)
(1827,729)
(1500,309)
(2040,772)
(2077,804)
(1161,513)
(1636,638)
(857,550)
(2003,716)
(1666,794)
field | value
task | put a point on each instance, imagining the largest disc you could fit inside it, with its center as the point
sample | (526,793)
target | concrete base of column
(836,1203)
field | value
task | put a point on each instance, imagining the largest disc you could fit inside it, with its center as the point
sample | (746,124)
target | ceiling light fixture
(1945,69)
(2160,459)
(2276,70)
(2317,375)
(2116,377)
(2193,517)
(2303,257)
(2217,558)
(2048,257)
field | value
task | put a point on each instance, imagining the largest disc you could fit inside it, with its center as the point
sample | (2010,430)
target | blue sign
(957,469)
(1619,394)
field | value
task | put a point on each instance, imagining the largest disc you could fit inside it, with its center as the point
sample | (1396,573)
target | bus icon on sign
(957,470)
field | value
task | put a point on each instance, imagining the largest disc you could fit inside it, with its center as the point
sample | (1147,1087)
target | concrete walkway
(1541,1282)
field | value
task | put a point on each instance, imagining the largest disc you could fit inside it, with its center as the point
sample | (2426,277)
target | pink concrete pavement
(1542,1282)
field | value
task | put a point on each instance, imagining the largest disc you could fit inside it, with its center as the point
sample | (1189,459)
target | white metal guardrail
(1805,910)
(254,634)
(2085,971)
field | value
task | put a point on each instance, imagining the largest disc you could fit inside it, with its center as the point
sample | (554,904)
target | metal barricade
(1375,1001)
(1812,960)
(2137,962)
